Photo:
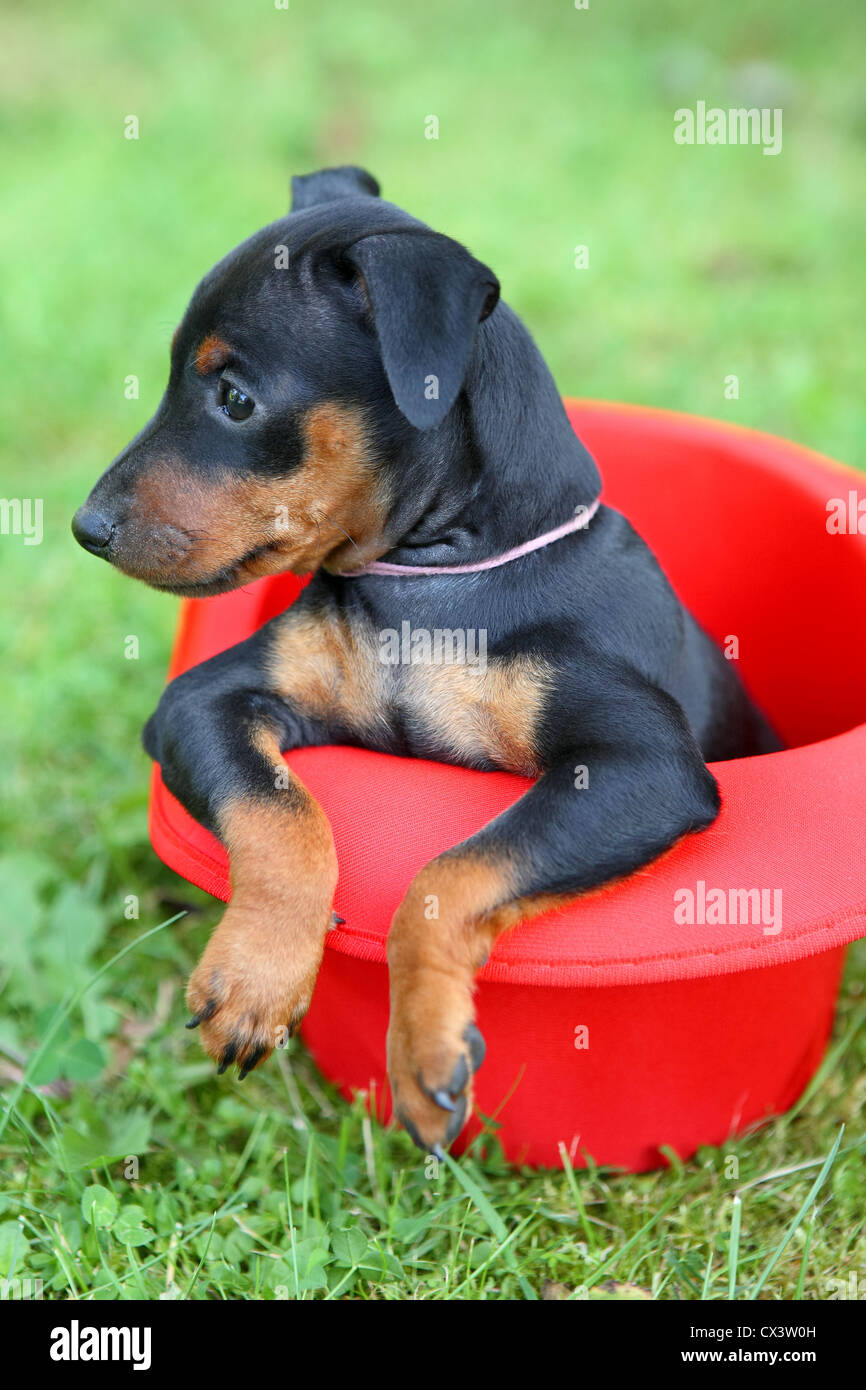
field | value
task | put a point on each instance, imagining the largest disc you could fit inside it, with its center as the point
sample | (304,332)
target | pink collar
(582,517)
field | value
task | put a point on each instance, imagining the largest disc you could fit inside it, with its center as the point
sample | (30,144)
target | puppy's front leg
(647,786)
(255,980)
(219,744)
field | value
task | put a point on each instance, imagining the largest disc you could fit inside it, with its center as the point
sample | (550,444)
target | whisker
(345,532)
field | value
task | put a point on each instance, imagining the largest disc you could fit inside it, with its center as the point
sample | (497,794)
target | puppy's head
(307,360)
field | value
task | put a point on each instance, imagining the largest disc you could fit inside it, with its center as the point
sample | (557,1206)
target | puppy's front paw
(254,983)
(434,1050)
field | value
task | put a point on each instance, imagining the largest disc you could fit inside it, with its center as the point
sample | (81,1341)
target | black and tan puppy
(347,385)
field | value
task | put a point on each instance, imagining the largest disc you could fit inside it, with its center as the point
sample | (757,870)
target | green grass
(555,130)
(131,1174)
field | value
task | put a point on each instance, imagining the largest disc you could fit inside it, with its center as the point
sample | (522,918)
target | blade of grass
(494,1221)
(801,1278)
(571,1179)
(190,1286)
(734,1246)
(291,1223)
(482,1268)
(65,1010)
(615,1255)
(810,1198)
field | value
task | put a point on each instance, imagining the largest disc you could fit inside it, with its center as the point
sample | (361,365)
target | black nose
(92,530)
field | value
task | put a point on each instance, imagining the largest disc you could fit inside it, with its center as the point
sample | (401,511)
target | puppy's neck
(504,467)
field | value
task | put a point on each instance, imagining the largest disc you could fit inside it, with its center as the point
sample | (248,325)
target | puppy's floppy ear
(427,295)
(327,185)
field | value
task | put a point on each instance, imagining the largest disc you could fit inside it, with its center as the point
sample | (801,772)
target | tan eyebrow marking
(212,354)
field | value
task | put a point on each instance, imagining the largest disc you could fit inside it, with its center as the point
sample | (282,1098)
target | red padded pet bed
(619,1025)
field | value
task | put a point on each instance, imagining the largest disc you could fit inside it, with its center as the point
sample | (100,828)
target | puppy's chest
(481,715)
(436,695)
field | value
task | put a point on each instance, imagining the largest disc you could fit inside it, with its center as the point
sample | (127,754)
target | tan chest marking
(489,715)
(330,667)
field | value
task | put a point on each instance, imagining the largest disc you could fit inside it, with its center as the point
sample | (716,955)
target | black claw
(337,921)
(203,1015)
(252,1061)
(411,1131)
(443,1100)
(477,1046)
(455,1124)
(228,1057)
(459,1077)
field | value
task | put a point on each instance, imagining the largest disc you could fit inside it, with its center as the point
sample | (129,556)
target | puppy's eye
(234,403)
